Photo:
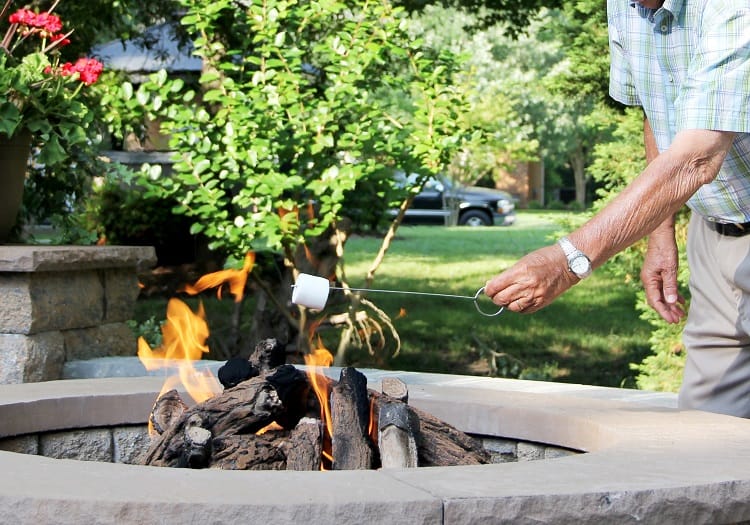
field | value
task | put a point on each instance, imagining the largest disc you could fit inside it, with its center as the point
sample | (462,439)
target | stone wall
(63,303)
(125,444)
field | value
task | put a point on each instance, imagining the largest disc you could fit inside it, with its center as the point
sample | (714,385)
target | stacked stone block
(61,303)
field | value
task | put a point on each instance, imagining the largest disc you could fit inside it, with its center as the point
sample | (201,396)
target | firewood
(395,388)
(442,445)
(304,446)
(244,409)
(248,452)
(167,409)
(438,443)
(396,431)
(235,371)
(268,354)
(350,415)
(197,449)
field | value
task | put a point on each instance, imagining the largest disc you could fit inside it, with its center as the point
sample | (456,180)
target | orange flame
(236,279)
(320,357)
(184,337)
(272,426)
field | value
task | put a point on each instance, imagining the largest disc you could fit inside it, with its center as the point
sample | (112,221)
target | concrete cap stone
(34,258)
(644,463)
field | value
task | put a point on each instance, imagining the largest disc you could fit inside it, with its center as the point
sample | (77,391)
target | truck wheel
(474,218)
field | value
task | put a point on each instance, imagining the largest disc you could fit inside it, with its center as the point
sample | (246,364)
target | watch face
(580,265)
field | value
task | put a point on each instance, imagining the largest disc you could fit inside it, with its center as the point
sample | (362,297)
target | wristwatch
(578,263)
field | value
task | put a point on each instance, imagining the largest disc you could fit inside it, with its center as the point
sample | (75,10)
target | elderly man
(687,64)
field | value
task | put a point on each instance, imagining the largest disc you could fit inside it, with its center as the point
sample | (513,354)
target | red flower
(61,38)
(88,70)
(45,21)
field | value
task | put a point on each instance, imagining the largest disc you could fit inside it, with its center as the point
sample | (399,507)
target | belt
(730,229)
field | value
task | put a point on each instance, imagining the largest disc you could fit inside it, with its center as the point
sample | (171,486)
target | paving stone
(501,450)
(120,294)
(82,445)
(557,452)
(130,443)
(44,301)
(530,451)
(31,358)
(21,444)
(36,258)
(106,340)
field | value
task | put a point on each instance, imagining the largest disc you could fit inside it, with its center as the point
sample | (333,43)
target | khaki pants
(717,333)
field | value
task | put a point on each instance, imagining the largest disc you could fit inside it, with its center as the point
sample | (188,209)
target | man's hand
(659,276)
(533,282)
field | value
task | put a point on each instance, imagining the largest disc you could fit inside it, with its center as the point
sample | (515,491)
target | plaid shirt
(688,65)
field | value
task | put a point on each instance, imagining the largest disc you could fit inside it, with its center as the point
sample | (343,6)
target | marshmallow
(311,291)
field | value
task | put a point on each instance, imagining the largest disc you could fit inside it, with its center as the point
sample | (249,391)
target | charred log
(235,371)
(249,452)
(350,417)
(244,409)
(438,443)
(395,388)
(304,446)
(167,409)
(397,428)
(442,445)
(268,354)
(197,449)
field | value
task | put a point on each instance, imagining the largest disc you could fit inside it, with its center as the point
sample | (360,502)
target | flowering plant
(40,94)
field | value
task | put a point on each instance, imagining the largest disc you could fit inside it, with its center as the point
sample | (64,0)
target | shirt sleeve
(716,91)
(621,86)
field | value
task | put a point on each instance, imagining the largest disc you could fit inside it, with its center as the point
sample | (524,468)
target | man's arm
(661,263)
(668,181)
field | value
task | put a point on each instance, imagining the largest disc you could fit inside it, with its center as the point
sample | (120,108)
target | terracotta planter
(14,156)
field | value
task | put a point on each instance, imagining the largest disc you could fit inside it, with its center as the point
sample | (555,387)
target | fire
(272,426)
(320,357)
(236,279)
(184,337)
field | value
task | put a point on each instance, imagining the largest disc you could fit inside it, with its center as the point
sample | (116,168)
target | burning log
(167,409)
(197,449)
(268,354)
(244,409)
(248,452)
(304,448)
(223,431)
(235,371)
(350,416)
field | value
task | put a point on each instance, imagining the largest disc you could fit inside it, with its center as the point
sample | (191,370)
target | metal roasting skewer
(474,297)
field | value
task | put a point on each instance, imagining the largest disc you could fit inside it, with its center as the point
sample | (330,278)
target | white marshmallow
(311,291)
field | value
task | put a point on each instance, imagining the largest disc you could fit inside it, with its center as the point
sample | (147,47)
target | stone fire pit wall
(63,303)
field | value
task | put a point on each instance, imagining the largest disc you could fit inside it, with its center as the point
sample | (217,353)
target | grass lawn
(589,335)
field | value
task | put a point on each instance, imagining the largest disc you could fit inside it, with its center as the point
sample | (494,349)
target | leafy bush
(616,164)
(289,118)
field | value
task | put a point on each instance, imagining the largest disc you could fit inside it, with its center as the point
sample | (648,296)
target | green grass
(589,335)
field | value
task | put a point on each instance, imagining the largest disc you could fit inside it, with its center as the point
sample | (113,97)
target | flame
(320,357)
(273,425)
(184,335)
(236,279)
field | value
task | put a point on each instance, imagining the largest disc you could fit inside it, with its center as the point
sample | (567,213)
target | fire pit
(644,462)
